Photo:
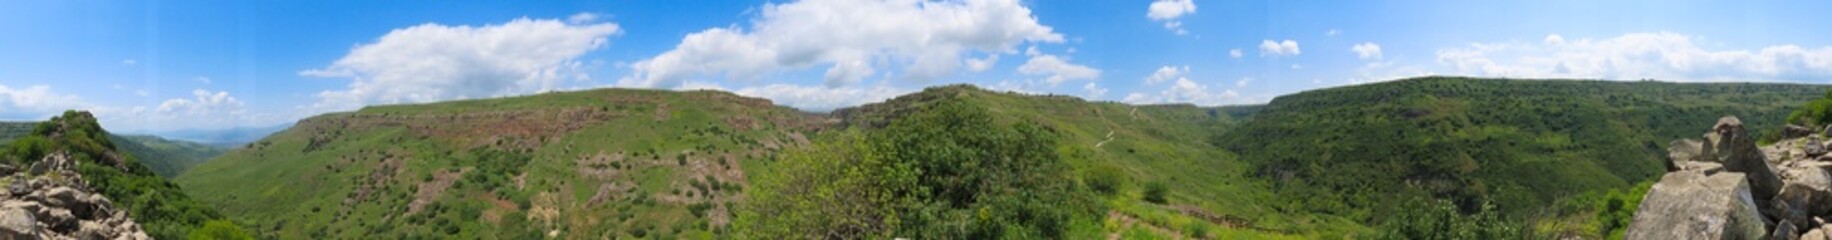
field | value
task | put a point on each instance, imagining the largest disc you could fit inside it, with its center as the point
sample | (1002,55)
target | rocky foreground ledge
(49,200)
(1726,187)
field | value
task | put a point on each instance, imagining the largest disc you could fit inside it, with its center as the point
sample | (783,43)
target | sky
(152,66)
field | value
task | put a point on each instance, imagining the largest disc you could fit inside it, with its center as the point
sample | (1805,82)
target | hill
(166,157)
(1327,163)
(1362,151)
(609,162)
(72,151)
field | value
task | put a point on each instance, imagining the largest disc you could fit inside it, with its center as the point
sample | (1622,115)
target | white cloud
(1168,11)
(130,62)
(202,79)
(1235,53)
(1057,69)
(1555,39)
(582,18)
(820,98)
(1332,32)
(982,64)
(202,103)
(1666,56)
(34,102)
(1094,90)
(1184,91)
(1166,73)
(432,62)
(1282,48)
(1243,81)
(926,38)
(1367,50)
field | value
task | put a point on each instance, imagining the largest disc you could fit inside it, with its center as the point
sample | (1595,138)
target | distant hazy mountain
(231,138)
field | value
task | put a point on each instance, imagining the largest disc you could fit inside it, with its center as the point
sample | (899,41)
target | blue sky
(155,66)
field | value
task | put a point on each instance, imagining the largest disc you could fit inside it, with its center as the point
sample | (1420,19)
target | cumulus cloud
(432,62)
(1094,90)
(582,18)
(1183,90)
(1166,73)
(1281,48)
(35,102)
(1168,11)
(1235,53)
(1057,69)
(202,103)
(1636,56)
(982,64)
(926,38)
(1332,32)
(1367,50)
(816,98)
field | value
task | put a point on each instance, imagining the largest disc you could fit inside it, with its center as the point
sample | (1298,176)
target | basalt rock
(58,204)
(1737,150)
(1694,205)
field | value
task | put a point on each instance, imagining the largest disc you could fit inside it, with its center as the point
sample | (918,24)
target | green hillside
(164,210)
(166,157)
(1332,163)
(610,162)
(1361,151)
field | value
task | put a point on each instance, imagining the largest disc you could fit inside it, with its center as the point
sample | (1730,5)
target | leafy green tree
(1423,219)
(949,171)
(220,230)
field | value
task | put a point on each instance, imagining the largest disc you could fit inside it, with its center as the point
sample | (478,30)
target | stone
(1807,187)
(17,224)
(1815,234)
(1784,231)
(1693,205)
(1792,131)
(1681,151)
(1737,150)
(1815,148)
(94,230)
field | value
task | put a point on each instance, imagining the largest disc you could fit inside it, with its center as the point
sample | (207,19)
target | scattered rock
(1815,148)
(1693,205)
(1784,231)
(1815,234)
(1738,152)
(1792,131)
(17,224)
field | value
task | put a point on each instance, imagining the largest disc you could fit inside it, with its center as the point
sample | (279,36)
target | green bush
(1155,191)
(1439,219)
(219,230)
(1107,179)
(948,171)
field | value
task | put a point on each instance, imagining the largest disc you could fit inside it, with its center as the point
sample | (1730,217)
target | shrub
(1155,191)
(1106,179)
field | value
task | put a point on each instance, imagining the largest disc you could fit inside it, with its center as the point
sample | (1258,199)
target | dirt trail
(1104,142)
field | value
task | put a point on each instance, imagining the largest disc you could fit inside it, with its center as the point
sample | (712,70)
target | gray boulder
(1806,191)
(1784,231)
(1815,148)
(1693,205)
(1737,150)
(17,224)
(1683,150)
(1792,131)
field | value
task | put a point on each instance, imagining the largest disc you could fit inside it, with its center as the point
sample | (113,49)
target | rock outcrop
(1727,187)
(51,201)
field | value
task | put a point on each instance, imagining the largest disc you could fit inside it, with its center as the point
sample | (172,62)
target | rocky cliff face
(1724,186)
(49,200)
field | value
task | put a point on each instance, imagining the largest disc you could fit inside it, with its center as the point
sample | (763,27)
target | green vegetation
(1361,151)
(949,171)
(1815,113)
(166,157)
(158,205)
(1426,158)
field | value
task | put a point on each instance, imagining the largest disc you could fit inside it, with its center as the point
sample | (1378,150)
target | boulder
(1815,148)
(1784,231)
(17,224)
(1694,205)
(1684,150)
(1815,234)
(1807,188)
(1737,150)
(1792,131)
